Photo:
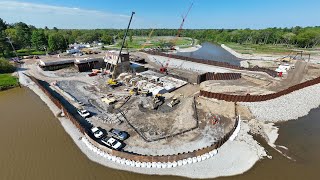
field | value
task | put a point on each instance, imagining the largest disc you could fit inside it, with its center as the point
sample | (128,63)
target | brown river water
(34,146)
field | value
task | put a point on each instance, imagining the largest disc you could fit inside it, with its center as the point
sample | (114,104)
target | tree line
(24,36)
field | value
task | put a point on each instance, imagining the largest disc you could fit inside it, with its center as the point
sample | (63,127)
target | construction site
(162,100)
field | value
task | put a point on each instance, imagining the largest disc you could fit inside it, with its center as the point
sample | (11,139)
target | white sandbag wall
(148,164)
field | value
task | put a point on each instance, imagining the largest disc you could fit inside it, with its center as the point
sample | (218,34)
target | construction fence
(258,98)
(213,63)
(82,125)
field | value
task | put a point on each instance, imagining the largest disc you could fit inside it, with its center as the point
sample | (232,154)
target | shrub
(6,66)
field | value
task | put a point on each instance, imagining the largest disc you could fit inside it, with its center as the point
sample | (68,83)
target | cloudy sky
(91,14)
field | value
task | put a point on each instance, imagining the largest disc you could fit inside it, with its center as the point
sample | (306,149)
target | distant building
(72,51)
(82,63)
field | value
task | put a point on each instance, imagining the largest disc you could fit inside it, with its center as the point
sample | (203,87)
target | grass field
(139,42)
(266,49)
(27,52)
(8,81)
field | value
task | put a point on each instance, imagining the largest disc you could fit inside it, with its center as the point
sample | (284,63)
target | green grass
(28,52)
(139,42)
(261,48)
(8,81)
(268,49)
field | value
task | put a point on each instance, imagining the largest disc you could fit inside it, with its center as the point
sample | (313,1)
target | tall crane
(112,80)
(148,39)
(165,68)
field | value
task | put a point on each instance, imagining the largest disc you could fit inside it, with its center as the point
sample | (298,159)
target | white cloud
(41,15)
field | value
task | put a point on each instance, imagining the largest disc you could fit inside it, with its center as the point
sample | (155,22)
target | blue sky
(208,14)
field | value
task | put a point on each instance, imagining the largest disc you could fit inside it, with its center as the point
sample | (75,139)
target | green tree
(4,45)
(88,37)
(107,39)
(38,39)
(3,40)
(23,34)
(56,42)
(308,38)
(3,25)
(288,38)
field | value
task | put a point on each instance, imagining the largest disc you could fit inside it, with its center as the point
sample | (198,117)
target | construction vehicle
(87,51)
(164,69)
(109,100)
(174,102)
(157,101)
(112,81)
(134,91)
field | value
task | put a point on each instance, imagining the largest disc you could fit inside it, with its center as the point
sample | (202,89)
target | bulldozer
(157,101)
(174,102)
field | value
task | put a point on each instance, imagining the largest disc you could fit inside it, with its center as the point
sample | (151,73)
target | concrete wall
(218,76)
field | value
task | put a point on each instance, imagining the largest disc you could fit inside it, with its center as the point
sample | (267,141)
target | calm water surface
(214,52)
(34,146)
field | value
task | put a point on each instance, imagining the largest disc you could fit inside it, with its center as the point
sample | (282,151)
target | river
(214,52)
(34,146)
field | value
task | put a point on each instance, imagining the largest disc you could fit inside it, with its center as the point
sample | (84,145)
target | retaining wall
(164,158)
(213,63)
(83,126)
(218,76)
(257,98)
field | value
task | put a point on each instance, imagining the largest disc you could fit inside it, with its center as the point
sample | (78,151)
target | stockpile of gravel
(287,107)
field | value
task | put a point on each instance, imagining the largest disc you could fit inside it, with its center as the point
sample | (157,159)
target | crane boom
(149,37)
(122,45)
(164,69)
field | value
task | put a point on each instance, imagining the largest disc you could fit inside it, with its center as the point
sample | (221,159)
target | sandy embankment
(287,107)
(251,56)
(190,49)
(234,157)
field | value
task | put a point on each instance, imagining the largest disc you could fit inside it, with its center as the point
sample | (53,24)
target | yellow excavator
(112,81)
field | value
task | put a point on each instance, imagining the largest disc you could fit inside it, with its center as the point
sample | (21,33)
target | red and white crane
(164,69)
